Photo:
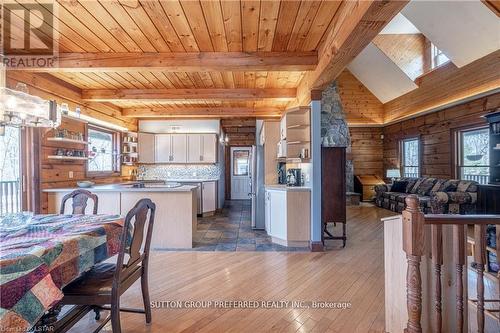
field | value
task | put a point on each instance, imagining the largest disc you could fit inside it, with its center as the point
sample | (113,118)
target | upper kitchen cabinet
(170,148)
(201,148)
(178,148)
(146,147)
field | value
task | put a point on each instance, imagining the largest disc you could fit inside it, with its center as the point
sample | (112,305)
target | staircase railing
(414,222)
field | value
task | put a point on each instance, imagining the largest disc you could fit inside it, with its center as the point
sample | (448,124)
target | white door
(163,153)
(240,173)
(209,143)
(146,147)
(194,151)
(178,148)
(209,193)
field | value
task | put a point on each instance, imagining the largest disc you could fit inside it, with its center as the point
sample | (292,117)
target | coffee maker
(281,173)
(293,177)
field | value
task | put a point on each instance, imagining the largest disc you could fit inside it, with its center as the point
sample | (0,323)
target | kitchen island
(175,218)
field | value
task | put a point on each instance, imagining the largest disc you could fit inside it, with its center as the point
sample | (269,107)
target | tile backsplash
(166,172)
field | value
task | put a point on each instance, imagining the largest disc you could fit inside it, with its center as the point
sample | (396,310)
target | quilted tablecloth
(38,259)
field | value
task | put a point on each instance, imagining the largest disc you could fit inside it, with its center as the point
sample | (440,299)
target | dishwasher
(198,194)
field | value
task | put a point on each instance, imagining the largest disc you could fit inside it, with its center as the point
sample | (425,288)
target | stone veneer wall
(166,172)
(334,129)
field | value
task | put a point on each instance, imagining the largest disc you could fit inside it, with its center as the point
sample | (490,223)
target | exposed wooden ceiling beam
(355,25)
(110,95)
(181,62)
(201,112)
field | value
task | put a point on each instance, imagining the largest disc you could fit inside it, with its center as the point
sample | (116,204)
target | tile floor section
(231,230)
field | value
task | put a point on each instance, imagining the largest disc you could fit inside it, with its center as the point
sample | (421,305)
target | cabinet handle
(201,158)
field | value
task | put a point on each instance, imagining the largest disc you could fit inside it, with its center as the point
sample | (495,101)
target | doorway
(240,173)
(10,170)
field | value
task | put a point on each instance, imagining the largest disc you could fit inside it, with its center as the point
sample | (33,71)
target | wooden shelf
(67,140)
(68,158)
(130,143)
(301,126)
(298,142)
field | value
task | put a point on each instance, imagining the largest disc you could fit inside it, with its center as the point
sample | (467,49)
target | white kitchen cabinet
(278,216)
(209,148)
(201,148)
(170,148)
(178,148)
(209,197)
(193,148)
(267,211)
(146,147)
(163,148)
(287,216)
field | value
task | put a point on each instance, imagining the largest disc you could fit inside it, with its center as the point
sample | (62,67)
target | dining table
(41,254)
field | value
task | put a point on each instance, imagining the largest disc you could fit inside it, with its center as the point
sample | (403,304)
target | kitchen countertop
(280,187)
(180,180)
(127,187)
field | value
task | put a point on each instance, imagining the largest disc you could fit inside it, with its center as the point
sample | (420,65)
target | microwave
(282,148)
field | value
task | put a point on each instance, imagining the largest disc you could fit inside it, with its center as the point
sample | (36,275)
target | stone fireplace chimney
(334,129)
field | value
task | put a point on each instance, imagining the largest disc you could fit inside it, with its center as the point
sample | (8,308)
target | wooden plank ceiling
(130,47)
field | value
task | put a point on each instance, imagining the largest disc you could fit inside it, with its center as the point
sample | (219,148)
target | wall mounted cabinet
(146,147)
(201,148)
(177,148)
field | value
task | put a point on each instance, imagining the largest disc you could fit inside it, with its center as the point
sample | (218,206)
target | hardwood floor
(353,274)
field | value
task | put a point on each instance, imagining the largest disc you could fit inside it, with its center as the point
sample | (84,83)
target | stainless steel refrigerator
(257,190)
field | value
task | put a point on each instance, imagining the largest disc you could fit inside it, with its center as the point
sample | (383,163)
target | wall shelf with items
(298,133)
(493,119)
(129,151)
(67,140)
(68,158)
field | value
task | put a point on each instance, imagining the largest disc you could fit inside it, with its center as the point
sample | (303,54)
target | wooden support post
(413,245)
(437,260)
(479,261)
(459,261)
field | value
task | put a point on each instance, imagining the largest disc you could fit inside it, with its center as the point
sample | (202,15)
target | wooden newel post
(413,245)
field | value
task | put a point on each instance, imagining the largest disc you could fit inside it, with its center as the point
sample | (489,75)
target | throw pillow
(414,190)
(449,186)
(399,186)
(438,185)
(425,188)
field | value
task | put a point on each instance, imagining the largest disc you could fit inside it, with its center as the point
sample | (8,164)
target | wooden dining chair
(101,287)
(80,198)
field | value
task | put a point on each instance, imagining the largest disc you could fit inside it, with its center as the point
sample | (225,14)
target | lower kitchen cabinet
(209,197)
(287,216)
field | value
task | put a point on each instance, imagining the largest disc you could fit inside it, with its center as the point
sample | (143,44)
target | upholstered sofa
(436,196)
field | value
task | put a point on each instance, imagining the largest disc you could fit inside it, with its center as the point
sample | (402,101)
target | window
(410,157)
(102,151)
(240,162)
(437,57)
(10,170)
(473,155)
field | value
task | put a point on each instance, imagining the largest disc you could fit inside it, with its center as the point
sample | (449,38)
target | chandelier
(20,109)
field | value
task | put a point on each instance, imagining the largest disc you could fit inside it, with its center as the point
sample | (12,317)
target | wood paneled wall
(360,105)
(56,173)
(367,150)
(435,131)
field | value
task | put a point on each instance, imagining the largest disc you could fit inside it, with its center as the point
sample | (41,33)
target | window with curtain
(473,155)
(410,157)
(103,152)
